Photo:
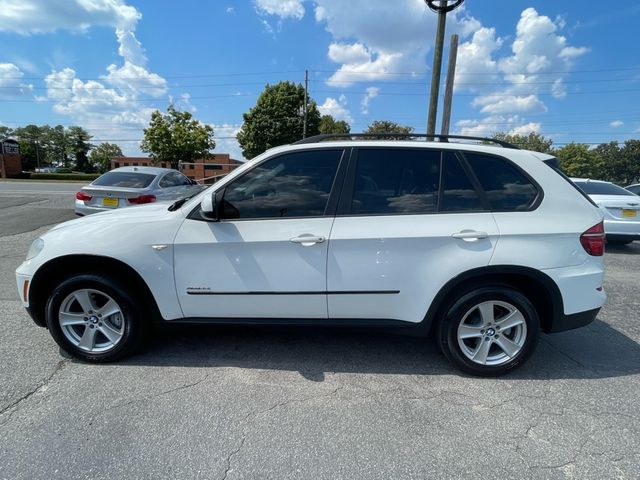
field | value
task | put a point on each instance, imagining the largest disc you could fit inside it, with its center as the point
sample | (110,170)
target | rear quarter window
(506,187)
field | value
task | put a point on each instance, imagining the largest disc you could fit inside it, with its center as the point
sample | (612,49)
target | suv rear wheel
(92,318)
(489,331)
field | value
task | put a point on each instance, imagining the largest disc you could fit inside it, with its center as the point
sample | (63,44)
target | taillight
(142,199)
(83,196)
(593,240)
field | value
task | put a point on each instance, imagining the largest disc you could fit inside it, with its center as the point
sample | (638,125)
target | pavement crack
(16,404)
(232,454)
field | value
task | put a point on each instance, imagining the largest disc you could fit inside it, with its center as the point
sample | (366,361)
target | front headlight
(35,248)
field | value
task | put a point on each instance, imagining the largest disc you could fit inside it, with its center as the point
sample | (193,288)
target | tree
(533,141)
(5,132)
(100,157)
(387,126)
(55,145)
(78,146)
(177,137)
(328,125)
(277,119)
(578,160)
(30,139)
(631,158)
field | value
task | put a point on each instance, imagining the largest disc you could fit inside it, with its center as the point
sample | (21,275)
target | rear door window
(396,181)
(458,193)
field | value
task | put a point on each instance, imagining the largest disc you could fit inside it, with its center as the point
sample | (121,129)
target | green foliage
(46,145)
(578,160)
(329,125)
(277,119)
(5,132)
(387,126)
(533,141)
(64,176)
(177,137)
(78,146)
(100,157)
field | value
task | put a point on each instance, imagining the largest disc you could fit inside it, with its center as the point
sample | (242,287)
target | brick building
(220,164)
(10,159)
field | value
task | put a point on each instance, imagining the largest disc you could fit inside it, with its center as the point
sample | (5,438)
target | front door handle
(307,239)
(470,235)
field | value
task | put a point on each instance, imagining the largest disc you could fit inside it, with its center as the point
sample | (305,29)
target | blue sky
(569,70)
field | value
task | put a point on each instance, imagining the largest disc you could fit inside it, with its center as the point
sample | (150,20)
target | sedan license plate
(628,213)
(110,202)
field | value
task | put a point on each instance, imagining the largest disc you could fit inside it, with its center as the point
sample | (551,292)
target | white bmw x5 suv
(484,246)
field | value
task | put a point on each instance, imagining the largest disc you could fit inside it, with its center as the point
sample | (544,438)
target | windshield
(125,179)
(601,188)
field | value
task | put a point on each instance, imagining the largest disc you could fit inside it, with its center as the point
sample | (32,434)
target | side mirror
(210,207)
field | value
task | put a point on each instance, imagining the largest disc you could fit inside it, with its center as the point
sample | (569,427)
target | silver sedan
(131,186)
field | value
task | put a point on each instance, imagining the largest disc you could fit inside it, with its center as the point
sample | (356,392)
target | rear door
(267,256)
(409,220)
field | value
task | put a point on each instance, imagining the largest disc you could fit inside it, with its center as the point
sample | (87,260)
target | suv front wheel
(489,331)
(92,318)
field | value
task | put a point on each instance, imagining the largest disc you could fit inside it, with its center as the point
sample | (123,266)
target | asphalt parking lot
(230,403)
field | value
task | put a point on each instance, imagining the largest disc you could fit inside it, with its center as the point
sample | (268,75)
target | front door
(267,256)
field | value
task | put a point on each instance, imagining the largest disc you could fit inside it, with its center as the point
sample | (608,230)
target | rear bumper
(81,209)
(622,228)
(562,323)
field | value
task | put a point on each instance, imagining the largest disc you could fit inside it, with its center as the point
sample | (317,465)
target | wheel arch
(538,287)
(50,274)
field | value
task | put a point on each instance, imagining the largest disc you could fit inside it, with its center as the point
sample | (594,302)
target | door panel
(251,269)
(414,255)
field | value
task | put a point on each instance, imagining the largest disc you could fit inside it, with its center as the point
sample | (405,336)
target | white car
(621,209)
(483,246)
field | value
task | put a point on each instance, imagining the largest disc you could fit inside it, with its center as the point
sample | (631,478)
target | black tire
(455,314)
(133,321)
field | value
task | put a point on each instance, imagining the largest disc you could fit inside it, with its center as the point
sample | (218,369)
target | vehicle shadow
(597,351)
(629,249)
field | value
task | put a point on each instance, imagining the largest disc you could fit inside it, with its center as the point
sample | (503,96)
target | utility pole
(306,97)
(448,90)
(3,173)
(441,9)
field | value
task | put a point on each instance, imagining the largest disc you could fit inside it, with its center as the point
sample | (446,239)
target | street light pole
(442,8)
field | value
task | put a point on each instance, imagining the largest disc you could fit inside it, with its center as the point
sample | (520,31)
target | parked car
(635,188)
(130,186)
(620,207)
(482,246)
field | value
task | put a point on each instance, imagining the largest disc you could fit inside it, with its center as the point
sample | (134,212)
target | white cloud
(475,63)
(113,107)
(230,10)
(336,108)
(510,85)
(372,92)
(497,104)
(44,16)
(486,127)
(228,145)
(349,53)
(616,123)
(281,8)
(11,84)
(374,38)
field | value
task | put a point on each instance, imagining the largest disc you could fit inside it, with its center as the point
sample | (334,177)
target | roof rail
(400,136)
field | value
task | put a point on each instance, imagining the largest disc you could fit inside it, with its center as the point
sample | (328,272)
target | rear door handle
(470,235)
(307,239)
